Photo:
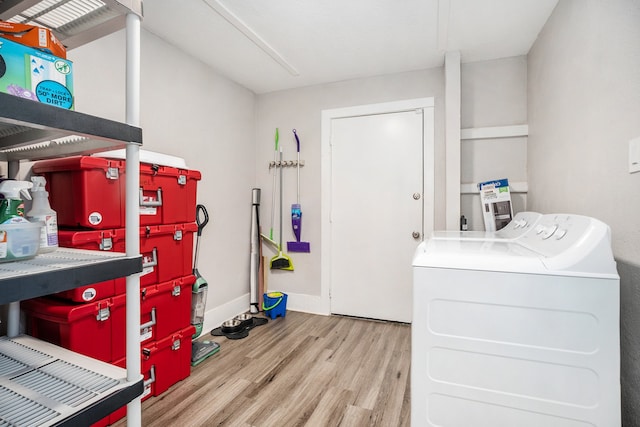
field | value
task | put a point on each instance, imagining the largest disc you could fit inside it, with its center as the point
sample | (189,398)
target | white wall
(494,93)
(189,111)
(301,109)
(584,107)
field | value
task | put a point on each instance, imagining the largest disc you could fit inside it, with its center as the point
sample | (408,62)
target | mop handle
(273,186)
(298,163)
(201,223)
(280,242)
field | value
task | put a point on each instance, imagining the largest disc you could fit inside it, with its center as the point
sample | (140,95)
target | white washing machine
(517,328)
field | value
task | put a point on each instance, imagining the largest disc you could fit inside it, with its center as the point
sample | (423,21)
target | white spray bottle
(41,211)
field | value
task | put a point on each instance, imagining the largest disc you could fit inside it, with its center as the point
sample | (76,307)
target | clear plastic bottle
(41,211)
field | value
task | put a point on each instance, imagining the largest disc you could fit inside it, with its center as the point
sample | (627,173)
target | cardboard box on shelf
(33,36)
(36,75)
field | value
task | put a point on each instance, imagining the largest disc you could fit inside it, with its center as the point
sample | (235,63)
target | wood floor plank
(388,404)
(405,411)
(331,409)
(309,390)
(205,405)
(300,370)
(355,416)
(369,376)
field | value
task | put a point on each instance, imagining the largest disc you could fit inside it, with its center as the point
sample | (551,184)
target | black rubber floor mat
(217,332)
(256,321)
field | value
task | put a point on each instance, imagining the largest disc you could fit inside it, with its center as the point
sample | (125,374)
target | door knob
(416,234)
(416,196)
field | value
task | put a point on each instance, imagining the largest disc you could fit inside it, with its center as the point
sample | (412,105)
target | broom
(281,261)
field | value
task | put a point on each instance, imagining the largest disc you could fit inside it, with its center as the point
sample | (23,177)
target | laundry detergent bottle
(12,206)
(41,211)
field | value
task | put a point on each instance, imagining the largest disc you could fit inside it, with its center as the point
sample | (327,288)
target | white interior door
(376,213)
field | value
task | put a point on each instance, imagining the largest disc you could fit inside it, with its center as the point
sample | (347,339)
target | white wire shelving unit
(42,384)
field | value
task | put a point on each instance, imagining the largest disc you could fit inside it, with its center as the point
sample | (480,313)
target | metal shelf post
(134,408)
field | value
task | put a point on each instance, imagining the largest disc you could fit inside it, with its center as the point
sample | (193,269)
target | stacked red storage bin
(92,329)
(88,192)
(88,195)
(164,309)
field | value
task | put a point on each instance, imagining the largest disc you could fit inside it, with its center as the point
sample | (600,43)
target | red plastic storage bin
(97,329)
(120,413)
(165,308)
(95,291)
(84,328)
(106,421)
(163,363)
(171,357)
(166,250)
(167,194)
(85,191)
(89,192)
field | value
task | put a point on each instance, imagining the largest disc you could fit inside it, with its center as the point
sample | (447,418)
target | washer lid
(556,244)
(488,255)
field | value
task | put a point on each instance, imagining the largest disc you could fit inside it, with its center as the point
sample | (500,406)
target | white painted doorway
(377,192)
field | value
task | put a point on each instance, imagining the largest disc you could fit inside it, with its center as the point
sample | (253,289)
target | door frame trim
(428,200)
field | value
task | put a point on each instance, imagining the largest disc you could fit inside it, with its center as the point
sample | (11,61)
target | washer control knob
(560,233)
(548,231)
(415,234)
(518,223)
(416,196)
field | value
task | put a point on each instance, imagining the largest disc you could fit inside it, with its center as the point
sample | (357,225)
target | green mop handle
(280,241)
(273,195)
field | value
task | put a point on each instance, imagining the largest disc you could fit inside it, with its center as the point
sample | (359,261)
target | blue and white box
(33,74)
(495,197)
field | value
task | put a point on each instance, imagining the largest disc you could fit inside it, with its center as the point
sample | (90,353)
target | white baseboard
(214,317)
(295,302)
(307,304)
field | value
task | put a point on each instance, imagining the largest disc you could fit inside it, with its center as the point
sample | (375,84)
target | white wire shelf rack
(45,385)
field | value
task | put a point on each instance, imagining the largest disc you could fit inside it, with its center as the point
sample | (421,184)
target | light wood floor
(301,370)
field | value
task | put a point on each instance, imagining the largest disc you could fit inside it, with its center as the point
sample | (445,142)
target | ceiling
(269,45)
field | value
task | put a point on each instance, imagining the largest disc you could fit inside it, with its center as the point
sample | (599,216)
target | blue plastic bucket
(275,304)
